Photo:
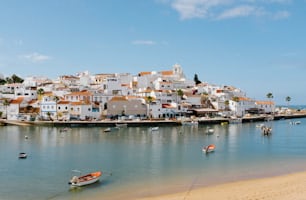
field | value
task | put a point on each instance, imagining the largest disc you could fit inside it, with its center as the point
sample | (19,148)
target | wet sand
(285,187)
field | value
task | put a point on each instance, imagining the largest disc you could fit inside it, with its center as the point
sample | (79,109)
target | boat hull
(85,180)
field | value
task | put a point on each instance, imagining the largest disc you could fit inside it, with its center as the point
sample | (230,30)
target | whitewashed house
(267,106)
(241,105)
(48,107)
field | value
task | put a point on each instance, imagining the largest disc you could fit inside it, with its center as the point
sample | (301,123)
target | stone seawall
(148,123)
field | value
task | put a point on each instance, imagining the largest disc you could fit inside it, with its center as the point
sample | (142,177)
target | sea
(138,162)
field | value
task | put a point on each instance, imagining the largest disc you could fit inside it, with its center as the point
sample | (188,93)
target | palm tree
(56,99)
(149,100)
(288,99)
(180,93)
(40,92)
(270,96)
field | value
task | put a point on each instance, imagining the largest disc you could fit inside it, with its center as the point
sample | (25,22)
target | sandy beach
(285,187)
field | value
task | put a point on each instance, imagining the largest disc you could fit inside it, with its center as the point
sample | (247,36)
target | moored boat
(78,181)
(23,155)
(209,148)
(121,125)
(107,130)
(155,128)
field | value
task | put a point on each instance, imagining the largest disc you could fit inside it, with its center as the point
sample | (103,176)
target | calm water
(142,162)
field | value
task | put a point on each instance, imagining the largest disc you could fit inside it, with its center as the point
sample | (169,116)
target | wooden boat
(78,181)
(23,155)
(209,148)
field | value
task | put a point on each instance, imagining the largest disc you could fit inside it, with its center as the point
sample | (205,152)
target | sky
(258,46)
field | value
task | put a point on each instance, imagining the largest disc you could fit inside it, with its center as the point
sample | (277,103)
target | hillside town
(147,95)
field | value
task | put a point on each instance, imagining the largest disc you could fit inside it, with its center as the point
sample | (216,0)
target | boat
(210,131)
(295,122)
(121,125)
(155,128)
(235,120)
(190,123)
(266,130)
(23,155)
(78,181)
(107,130)
(209,148)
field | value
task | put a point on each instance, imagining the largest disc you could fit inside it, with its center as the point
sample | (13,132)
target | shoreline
(284,187)
(155,122)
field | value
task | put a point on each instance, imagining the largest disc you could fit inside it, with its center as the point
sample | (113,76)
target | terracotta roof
(244,99)
(119,98)
(145,73)
(79,103)
(63,102)
(264,102)
(32,101)
(166,73)
(17,101)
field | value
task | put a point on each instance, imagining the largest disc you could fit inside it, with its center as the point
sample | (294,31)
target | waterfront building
(127,106)
(267,106)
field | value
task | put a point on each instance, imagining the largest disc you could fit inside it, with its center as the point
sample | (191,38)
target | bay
(138,162)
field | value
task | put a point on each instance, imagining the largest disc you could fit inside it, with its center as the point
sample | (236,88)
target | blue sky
(256,45)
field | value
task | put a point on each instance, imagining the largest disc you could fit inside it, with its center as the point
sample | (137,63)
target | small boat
(78,181)
(23,155)
(107,130)
(121,125)
(295,122)
(209,148)
(190,123)
(210,131)
(155,128)
(266,130)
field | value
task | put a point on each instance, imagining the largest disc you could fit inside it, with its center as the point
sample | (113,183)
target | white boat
(235,120)
(209,148)
(190,123)
(78,181)
(23,155)
(107,130)
(121,125)
(155,128)
(210,131)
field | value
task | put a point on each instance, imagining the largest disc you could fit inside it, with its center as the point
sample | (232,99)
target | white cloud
(241,11)
(226,9)
(143,42)
(196,8)
(36,57)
